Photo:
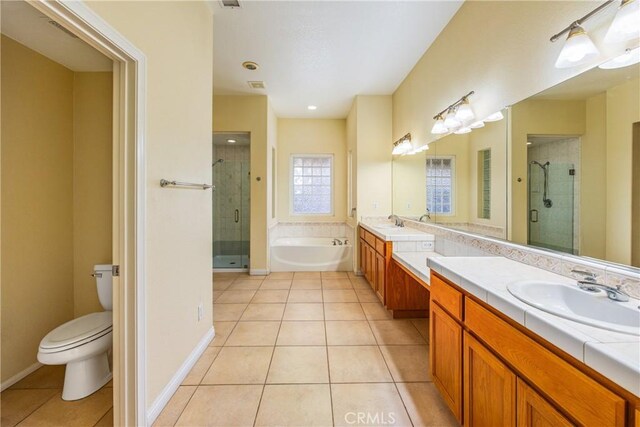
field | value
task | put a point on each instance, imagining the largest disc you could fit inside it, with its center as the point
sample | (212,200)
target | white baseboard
(256,272)
(161,401)
(20,375)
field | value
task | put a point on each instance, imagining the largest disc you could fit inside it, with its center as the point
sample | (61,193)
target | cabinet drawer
(362,233)
(445,295)
(380,247)
(585,400)
(370,239)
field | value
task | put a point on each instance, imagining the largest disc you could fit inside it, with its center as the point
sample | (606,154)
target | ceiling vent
(257,85)
(230,4)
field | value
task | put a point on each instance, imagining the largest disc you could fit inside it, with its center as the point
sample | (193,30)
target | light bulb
(629,57)
(451,122)
(463,130)
(464,113)
(577,50)
(405,146)
(626,24)
(439,128)
(477,125)
(494,117)
(397,150)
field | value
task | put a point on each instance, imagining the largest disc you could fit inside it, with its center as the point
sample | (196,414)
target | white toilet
(83,344)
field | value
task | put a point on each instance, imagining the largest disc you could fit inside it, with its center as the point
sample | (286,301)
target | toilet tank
(103,274)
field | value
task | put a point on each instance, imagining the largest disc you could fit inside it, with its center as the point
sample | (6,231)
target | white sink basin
(572,303)
(385,226)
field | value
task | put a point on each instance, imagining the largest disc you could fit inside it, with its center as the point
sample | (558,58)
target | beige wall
(312,136)
(176,39)
(37,202)
(622,111)
(351,129)
(251,114)
(92,192)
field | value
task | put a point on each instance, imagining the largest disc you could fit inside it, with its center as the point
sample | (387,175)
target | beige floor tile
(221,285)
(353,275)
(304,311)
(407,363)
(277,296)
(301,333)
(227,276)
(249,277)
(270,285)
(194,377)
(306,284)
(360,283)
(343,311)
(263,312)
(254,334)
(357,364)
(305,295)
(422,325)
(349,332)
(223,329)
(380,404)
(295,405)
(301,365)
(235,297)
(216,295)
(174,408)
(282,275)
(376,311)
(47,376)
(425,405)
(306,275)
(245,285)
(339,295)
(224,405)
(240,365)
(106,420)
(227,312)
(366,295)
(336,284)
(334,275)
(81,413)
(396,332)
(17,404)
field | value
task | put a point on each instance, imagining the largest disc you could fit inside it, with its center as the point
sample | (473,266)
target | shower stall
(553,190)
(231,201)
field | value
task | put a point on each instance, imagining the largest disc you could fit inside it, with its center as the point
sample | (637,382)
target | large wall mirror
(459,182)
(575,159)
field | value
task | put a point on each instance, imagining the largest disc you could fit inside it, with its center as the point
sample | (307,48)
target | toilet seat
(77,332)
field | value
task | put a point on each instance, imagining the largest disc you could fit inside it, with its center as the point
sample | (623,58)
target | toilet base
(85,377)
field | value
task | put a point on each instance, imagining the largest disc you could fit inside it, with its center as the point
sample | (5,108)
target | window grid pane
(440,172)
(312,185)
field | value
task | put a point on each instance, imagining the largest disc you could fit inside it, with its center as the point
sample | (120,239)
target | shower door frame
(129,201)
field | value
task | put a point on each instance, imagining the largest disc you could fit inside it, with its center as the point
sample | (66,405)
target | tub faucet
(399,222)
(337,242)
(427,215)
(590,284)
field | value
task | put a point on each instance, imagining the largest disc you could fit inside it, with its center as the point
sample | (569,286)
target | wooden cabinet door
(380,276)
(363,257)
(489,387)
(535,411)
(445,354)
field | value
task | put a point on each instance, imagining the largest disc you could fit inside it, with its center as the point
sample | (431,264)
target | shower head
(217,161)
(534,162)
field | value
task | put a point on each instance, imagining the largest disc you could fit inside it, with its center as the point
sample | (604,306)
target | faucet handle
(587,274)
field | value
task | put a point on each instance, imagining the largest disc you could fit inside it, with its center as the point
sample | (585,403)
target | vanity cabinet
(375,256)
(492,371)
(406,295)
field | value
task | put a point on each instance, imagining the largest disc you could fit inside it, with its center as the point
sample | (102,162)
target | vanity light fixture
(477,125)
(451,122)
(463,130)
(577,50)
(495,117)
(626,23)
(402,146)
(629,57)
(464,113)
(454,116)
(438,127)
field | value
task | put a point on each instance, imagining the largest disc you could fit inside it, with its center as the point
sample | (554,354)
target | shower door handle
(237,215)
(533,215)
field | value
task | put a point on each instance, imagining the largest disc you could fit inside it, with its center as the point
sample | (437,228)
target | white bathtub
(310,254)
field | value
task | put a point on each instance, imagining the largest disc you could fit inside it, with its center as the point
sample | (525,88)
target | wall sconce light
(456,115)
(629,57)
(579,49)
(497,116)
(402,146)
(439,128)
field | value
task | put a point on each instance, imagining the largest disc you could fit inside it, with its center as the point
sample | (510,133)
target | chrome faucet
(399,222)
(337,242)
(590,284)
(427,215)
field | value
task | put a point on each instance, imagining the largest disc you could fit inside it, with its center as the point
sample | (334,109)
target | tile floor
(307,349)
(36,401)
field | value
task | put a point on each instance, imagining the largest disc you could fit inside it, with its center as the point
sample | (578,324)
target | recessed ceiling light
(231,141)
(529,142)
(250,65)
(311,107)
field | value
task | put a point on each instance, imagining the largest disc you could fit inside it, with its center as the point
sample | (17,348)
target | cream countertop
(397,234)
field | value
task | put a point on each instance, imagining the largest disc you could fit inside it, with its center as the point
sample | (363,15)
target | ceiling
(320,52)
(27,26)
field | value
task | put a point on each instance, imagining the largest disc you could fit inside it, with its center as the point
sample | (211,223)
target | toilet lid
(78,331)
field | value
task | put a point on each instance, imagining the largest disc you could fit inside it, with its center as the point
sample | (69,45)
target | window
(484,184)
(440,180)
(312,184)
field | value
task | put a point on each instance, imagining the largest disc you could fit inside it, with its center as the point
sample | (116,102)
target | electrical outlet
(409,205)
(427,245)
(200,312)
(375,205)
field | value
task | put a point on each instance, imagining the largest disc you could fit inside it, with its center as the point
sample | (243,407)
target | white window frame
(453,183)
(331,187)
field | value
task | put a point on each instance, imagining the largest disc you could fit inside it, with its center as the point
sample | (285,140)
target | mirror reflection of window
(440,184)
(484,184)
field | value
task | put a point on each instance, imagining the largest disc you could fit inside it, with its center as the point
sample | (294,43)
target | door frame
(129,200)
